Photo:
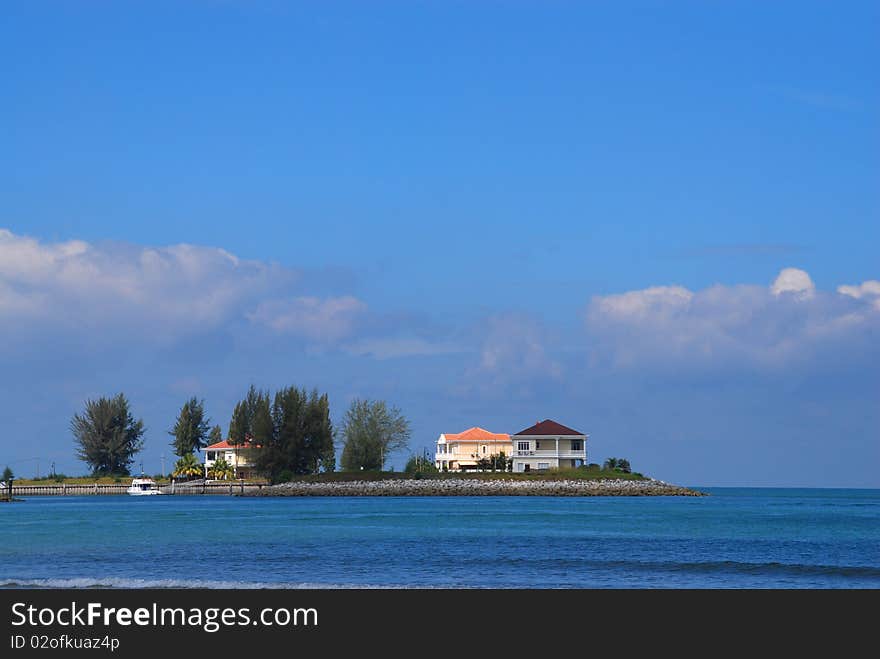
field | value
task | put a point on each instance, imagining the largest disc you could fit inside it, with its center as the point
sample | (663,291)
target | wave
(806,569)
(125,582)
(723,566)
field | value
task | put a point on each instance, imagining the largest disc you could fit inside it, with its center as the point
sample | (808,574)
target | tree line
(288,432)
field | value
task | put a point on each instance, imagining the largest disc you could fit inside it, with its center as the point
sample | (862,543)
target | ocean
(735,538)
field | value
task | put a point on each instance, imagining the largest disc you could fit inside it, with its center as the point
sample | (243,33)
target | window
(210,455)
(576,445)
(543,465)
(484,450)
(522,446)
(537,444)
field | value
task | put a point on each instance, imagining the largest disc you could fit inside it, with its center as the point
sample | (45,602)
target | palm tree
(611,464)
(220,470)
(188,466)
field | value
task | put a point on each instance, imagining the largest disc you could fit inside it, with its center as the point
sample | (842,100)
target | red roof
(476,434)
(225,444)
(549,427)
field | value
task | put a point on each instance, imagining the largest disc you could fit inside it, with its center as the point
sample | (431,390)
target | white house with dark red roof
(548,445)
(461,451)
(240,458)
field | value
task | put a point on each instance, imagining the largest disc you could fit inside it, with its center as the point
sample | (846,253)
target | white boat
(143,487)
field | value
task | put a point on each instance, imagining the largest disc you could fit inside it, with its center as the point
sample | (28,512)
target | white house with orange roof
(459,451)
(548,445)
(240,458)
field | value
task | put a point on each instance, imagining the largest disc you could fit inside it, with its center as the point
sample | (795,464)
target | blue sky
(487,213)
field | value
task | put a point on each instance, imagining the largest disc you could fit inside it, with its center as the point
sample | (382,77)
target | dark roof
(549,427)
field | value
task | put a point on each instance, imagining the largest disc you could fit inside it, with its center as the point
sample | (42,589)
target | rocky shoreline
(476,487)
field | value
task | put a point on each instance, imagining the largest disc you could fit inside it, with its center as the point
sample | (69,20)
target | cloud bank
(156,293)
(783,324)
(120,292)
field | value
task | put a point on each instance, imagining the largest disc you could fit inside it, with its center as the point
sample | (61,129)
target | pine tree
(297,438)
(190,431)
(262,428)
(107,435)
(216,435)
(239,425)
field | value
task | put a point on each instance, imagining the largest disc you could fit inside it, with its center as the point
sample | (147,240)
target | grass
(550,474)
(587,473)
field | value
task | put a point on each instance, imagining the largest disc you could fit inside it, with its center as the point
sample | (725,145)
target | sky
(657,223)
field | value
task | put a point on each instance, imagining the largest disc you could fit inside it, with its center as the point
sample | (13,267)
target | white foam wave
(124,582)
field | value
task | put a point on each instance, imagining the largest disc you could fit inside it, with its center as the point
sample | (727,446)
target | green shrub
(419,464)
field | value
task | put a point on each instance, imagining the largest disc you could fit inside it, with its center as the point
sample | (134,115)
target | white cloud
(321,320)
(663,300)
(741,326)
(154,293)
(869,290)
(794,281)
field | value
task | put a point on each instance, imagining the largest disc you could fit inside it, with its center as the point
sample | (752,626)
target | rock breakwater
(476,487)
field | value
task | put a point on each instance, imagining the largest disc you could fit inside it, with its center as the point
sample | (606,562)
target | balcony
(552,453)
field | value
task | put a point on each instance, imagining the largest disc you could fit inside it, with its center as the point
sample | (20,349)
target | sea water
(735,538)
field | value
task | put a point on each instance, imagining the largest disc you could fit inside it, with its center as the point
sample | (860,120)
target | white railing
(552,453)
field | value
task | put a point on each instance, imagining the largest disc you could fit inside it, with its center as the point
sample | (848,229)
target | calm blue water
(737,538)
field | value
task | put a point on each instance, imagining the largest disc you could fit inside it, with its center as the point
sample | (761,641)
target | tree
(188,467)
(221,470)
(241,426)
(420,464)
(371,431)
(289,434)
(190,431)
(262,427)
(107,435)
(617,464)
(216,435)
(299,439)
(7,481)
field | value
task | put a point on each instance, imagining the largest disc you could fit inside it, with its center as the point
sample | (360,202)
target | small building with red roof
(548,445)
(239,457)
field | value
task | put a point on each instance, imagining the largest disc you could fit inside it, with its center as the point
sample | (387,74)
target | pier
(95,489)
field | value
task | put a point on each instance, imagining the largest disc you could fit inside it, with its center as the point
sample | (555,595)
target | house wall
(470,452)
(519,463)
(241,459)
